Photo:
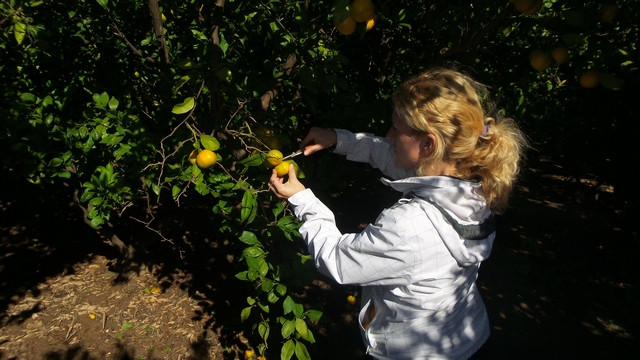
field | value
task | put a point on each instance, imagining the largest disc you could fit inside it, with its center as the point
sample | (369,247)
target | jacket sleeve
(384,253)
(368,148)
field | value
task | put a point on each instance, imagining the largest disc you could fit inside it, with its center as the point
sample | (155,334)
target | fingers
(292,173)
(282,189)
(318,139)
(310,149)
(274,183)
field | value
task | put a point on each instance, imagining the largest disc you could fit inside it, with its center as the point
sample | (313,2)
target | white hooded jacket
(413,266)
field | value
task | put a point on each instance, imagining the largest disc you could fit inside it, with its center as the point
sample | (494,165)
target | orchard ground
(561,282)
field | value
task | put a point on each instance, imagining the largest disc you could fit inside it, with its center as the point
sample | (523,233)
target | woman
(418,263)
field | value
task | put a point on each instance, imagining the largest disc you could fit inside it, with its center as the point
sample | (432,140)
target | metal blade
(293,154)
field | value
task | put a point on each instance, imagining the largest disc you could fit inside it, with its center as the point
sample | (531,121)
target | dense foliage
(110,98)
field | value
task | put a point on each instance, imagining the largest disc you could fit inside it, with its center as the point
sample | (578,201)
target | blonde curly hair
(453,107)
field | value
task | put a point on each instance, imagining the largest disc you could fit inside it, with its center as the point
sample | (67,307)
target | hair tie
(485,133)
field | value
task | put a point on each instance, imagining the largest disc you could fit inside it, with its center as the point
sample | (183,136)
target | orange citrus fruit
(370,23)
(527,7)
(346,26)
(192,156)
(362,10)
(274,157)
(206,159)
(589,79)
(534,9)
(283,168)
(249,354)
(540,60)
(560,54)
(608,12)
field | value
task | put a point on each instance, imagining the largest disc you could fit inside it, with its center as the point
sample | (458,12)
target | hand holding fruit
(282,189)
(318,139)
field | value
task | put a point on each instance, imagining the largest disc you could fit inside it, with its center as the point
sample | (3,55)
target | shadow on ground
(561,282)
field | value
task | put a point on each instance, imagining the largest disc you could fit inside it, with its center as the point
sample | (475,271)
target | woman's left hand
(282,189)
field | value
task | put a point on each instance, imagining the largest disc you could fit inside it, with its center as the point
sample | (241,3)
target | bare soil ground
(561,283)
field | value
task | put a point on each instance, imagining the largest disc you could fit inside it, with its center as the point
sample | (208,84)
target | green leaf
(188,64)
(103,3)
(253,251)
(224,45)
(288,349)
(301,351)
(301,327)
(249,238)
(209,142)
(95,201)
(287,305)
(175,191)
(277,209)
(184,106)
(244,315)
(266,285)
(253,160)
(96,222)
(310,338)
(101,100)
(249,207)
(281,289)
(183,80)
(288,328)
(19,31)
(113,103)
(314,315)
(55,162)
(263,307)
(264,330)
(156,189)
(243,275)
(126,326)
(272,297)
(27,97)
(298,310)
(63,174)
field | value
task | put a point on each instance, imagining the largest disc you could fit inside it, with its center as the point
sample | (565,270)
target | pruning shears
(296,153)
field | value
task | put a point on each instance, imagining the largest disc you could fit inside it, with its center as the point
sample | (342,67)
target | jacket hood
(461,198)
(464,207)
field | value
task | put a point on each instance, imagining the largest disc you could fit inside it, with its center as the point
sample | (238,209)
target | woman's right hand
(318,139)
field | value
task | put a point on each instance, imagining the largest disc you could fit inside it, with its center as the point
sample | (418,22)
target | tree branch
(121,35)
(157,27)
(267,97)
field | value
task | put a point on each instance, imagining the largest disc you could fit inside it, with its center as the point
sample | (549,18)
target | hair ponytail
(485,147)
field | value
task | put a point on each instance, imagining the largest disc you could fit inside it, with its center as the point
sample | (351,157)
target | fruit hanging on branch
(206,159)
(540,59)
(589,79)
(560,54)
(346,26)
(362,10)
(274,158)
(283,168)
(347,17)
(527,7)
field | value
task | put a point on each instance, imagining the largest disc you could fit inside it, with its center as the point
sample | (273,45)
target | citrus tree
(133,104)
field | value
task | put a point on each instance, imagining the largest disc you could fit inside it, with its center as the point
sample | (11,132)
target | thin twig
(135,50)
(73,322)
(146,225)
(162,153)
